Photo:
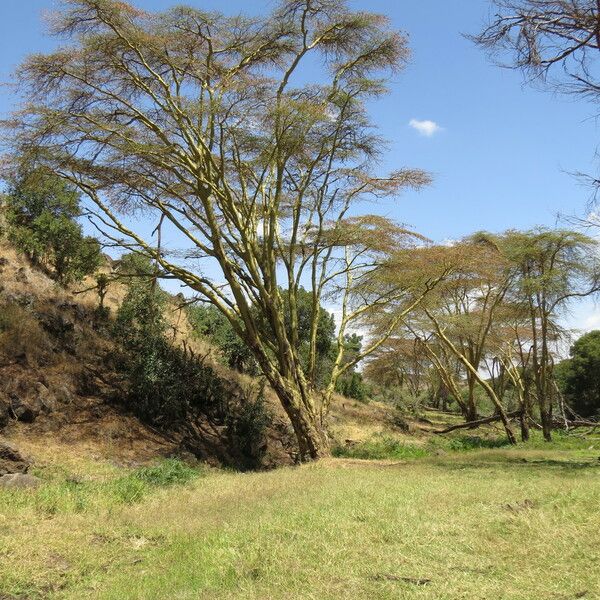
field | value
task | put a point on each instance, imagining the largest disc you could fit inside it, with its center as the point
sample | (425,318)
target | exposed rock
(21,275)
(19,481)
(23,299)
(28,398)
(63,395)
(45,398)
(60,327)
(11,460)
(25,410)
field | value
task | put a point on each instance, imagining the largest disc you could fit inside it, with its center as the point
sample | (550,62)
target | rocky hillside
(59,377)
(60,384)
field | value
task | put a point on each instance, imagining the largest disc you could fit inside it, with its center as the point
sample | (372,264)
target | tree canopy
(579,375)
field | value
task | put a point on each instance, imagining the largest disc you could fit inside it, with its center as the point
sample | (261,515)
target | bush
(209,323)
(247,431)
(167,384)
(352,386)
(405,403)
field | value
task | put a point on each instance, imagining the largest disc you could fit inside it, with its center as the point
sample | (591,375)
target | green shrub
(579,376)
(474,442)
(380,447)
(352,386)
(168,472)
(166,383)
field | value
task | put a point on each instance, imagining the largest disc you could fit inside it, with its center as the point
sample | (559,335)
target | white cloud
(426,127)
(450,242)
(592,322)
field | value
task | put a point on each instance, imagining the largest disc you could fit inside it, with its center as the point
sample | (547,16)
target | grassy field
(479,523)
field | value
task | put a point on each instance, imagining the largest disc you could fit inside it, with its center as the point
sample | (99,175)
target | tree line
(493,324)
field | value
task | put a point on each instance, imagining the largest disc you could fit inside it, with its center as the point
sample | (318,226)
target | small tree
(579,376)
(41,209)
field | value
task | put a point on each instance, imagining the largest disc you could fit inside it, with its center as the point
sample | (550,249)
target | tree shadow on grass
(519,462)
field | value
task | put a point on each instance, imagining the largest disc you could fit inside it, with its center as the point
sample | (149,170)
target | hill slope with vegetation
(62,380)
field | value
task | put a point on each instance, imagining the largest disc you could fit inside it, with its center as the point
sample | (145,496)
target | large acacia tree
(555,267)
(244,141)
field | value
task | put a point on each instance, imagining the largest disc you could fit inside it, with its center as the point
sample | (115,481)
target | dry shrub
(21,336)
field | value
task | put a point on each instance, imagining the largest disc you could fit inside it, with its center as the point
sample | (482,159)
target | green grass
(388,447)
(66,493)
(485,524)
(381,447)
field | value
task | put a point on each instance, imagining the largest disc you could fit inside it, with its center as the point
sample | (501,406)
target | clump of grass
(169,472)
(475,442)
(380,447)
(565,440)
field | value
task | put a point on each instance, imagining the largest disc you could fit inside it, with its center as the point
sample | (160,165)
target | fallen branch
(473,424)
(580,423)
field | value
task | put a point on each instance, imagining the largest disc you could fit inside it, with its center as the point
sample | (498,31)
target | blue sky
(502,156)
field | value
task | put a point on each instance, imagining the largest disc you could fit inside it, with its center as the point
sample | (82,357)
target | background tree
(207,126)
(511,347)
(463,311)
(403,365)
(554,267)
(579,376)
(538,35)
(41,212)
